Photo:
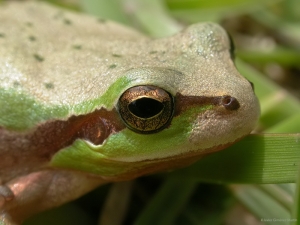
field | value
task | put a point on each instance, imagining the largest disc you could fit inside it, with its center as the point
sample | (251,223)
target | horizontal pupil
(145,107)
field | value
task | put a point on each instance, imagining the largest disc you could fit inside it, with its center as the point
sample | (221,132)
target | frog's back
(43,49)
(38,21)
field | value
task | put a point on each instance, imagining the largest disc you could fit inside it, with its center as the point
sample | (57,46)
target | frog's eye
(146,109)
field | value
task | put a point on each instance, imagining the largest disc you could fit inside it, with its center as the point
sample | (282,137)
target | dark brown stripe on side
(183,103)
(94,127)
(100,124)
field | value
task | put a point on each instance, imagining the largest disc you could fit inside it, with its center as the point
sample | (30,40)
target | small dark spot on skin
(2,35)
(32,38)
(67,22)
(112,66)
(101,20)
(38,57)
(16,84)
(49,85)
(152,52)
(116,55)
(29,24)
(78,47)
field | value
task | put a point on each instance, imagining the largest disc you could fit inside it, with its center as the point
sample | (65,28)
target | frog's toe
(5,195)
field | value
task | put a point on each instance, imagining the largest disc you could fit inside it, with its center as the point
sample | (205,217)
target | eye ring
(146,109)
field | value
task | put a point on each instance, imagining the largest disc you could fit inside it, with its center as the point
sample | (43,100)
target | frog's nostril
(230,103)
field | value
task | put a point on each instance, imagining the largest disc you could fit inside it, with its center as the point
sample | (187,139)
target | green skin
(60,133)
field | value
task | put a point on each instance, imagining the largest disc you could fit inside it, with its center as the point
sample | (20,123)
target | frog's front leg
(38,191)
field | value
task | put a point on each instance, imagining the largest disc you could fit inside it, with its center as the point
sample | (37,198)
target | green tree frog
(85,102)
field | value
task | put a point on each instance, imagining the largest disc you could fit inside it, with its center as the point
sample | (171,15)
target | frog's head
(192,102)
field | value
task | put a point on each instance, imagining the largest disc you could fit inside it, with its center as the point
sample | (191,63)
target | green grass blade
(296,208)
(112,10)
(281,55)
(136,13)
(290,32)
(199,10)
(170,199)
(262,86)
(279,194)
(258,158)
(265,207)
(276,105)
(160,25)
(289,125)
(192,4)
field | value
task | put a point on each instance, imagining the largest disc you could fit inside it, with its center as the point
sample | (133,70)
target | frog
(86,101)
